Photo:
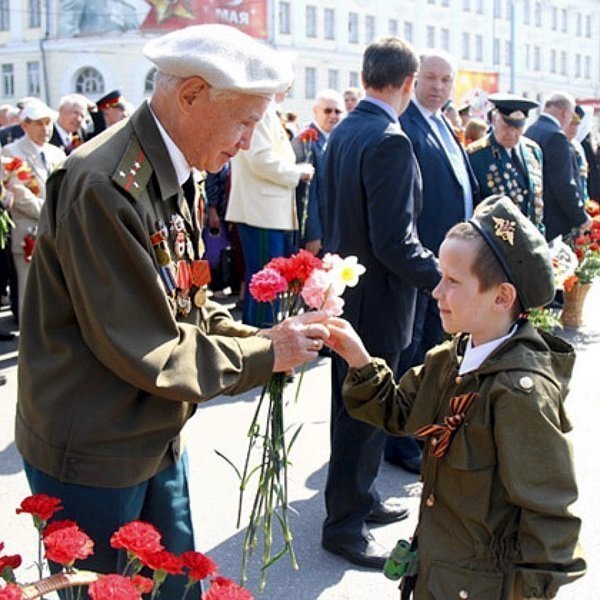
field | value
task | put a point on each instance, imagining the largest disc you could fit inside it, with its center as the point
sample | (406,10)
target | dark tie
(514,155)
(43,159)
(189,192)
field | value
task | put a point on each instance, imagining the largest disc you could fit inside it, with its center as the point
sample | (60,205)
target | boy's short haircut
(388,61)
(485,265)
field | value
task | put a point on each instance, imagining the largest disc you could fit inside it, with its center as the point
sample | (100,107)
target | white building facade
(49,48)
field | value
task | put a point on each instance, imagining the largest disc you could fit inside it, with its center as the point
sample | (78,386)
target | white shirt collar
(180,164)
(475,356)
(425,111)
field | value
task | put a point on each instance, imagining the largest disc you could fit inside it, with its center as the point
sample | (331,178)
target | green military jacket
(109,369)
(498,173)
(494,513)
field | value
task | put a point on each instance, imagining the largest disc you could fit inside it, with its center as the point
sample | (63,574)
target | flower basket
(573,304)
(57,582)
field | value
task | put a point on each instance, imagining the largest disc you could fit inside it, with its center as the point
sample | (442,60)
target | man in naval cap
(118,342)
(507,163)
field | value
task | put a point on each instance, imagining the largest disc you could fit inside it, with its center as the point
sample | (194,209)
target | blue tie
(458,164)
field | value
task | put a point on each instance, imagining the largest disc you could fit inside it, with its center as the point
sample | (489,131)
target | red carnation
(68,544)
(200,566)
(114,587)
(23,175)
(11,592)
(225,589)
(308,135)
(13,561)
(138,538)
(56,525)
(40,506)
(163,560)
(144,584)
(266,284)
(303,264)
(14,164)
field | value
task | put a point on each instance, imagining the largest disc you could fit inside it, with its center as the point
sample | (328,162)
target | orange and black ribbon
(441,435)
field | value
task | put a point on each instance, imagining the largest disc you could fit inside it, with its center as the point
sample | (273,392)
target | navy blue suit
(563,206)
(373,199)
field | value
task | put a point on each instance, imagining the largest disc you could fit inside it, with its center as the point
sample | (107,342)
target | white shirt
(474,356)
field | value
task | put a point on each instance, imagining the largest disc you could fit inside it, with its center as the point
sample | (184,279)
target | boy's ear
(506,297)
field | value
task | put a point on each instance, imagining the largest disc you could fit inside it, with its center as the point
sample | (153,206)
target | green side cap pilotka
(519,247)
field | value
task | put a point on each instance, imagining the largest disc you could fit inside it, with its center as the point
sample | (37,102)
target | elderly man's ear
(190,91)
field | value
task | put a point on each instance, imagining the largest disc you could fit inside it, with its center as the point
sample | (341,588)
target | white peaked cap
(224,56)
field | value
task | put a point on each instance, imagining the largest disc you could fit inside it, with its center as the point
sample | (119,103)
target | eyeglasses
(328,111)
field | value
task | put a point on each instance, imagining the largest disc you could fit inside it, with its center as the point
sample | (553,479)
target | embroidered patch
(505,229)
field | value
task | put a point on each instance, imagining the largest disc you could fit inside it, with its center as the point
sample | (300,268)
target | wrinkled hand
(306,171)
(347,343)
(314,246)
(297,340)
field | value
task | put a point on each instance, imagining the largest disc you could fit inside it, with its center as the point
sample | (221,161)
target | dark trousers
(356,449)
(427,333)
(162,501)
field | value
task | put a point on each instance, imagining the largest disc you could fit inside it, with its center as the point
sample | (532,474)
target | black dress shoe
(384,513)
(364,552)
(411,464)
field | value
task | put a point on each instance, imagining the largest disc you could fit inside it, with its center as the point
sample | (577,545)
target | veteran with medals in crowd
(118,342)
(505,162)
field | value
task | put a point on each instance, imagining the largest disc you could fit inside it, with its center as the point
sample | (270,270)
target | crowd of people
(385,172)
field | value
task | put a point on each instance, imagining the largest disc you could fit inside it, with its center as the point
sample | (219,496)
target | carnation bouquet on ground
(63,543)
(291,285)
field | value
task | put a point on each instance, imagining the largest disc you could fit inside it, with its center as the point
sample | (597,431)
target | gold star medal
(505,229)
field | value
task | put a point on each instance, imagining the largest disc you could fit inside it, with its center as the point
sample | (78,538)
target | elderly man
(25,197)
(505,162)
(117,348)
(563,206)
(72,113)
(327,111)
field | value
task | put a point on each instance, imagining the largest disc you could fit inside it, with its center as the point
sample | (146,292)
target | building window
(507,53)
(408,31)
(445,2)
(89,81)
(353,80)
(284,17)
(333,79)
(8,80)
(587,62)
(466,5)
(552,61)
(479,7)
(445,39)
(588,26)
(430,1)
(554,18)
(538,14)
(526,12)
(149,81)
(565,20)
(4,16)
(537,58)
(33,79)
(563,63)
(369,29)
(497,9)
(496,51)
(310,83)
(353,28)
(527,56)
(329,24)
(35,14)
(479,48)
(579,24)
(311,21)
(430,36)
(393,27)
(466,45)
(578,65)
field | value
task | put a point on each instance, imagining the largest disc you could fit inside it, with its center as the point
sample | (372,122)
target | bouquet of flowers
(587,250)
(16,170)
(291,285)
(64,543)
(308,137)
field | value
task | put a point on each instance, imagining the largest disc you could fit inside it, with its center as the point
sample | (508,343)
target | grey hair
(71,100)
(560,100)
(167,83)
(441,54)
(329,94)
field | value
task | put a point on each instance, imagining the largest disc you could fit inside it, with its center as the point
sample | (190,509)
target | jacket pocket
(472,448)
(449,582)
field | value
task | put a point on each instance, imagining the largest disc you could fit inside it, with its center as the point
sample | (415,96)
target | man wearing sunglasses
(327,112)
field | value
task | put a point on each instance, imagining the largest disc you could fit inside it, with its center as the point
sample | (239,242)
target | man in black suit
(563,205)
(373,199)
(450,191)
(72,114)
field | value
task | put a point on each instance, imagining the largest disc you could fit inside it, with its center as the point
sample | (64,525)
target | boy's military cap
(519,247)
(223,56)
(513,109)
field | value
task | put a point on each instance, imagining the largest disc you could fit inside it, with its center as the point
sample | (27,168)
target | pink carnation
(318,292)
(266,284)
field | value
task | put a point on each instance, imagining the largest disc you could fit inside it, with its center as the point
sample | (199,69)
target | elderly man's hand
(306,171)
(297,340)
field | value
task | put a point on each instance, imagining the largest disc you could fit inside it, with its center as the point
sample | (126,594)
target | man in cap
(563,207)
(12,132)
(110,109)
(25,196)
(117,285)
(580,163)
(507,163)
(68,128)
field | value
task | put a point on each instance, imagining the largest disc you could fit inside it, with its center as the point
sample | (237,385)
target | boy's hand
(347,343)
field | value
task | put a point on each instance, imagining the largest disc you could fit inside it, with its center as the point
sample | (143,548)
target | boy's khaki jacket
(108,375)
(494,513)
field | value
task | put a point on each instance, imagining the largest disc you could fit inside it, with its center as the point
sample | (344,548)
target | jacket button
(463,594)
(458,380)
(430,501)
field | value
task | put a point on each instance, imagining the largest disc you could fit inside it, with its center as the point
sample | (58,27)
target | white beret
(224,56)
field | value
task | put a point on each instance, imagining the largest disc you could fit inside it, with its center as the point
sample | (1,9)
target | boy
(498,473)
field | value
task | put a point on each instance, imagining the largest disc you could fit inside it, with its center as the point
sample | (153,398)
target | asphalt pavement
(221,425)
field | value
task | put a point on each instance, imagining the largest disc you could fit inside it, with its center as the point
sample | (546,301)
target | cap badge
(505,230)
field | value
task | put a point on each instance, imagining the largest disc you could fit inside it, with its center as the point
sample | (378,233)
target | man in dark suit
(373,199)
(72,114)
(110,109)
(563,206)
(450,191)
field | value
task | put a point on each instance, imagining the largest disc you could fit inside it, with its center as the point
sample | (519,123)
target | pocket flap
(449,582)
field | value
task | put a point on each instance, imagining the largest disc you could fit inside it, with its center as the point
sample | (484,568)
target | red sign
(593,102)
(250,16)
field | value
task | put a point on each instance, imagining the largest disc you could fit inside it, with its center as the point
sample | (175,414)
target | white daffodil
(346,271)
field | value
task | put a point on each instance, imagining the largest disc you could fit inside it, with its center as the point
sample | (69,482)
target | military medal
(200,297)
